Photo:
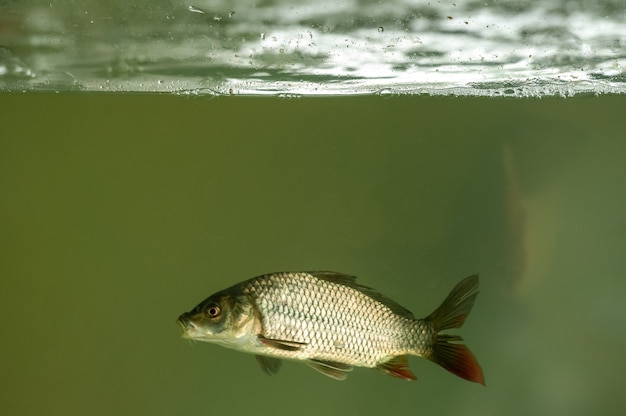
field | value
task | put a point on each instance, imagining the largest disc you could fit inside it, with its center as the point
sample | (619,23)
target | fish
(333,324)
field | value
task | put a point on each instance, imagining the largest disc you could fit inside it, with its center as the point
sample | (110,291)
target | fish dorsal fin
(350,281)
(269,365)
(335,277)
(333,369)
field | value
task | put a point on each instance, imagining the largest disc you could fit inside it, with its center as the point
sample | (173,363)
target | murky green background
(119,212)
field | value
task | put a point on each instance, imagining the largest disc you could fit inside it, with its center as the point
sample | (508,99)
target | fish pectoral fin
(333,369)
(397,367)
(269,365)
(281,344)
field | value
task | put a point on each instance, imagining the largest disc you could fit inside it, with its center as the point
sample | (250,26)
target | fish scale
(367,330)
(333,324)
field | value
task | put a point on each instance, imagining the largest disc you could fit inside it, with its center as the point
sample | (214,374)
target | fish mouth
(185,325)
(190,329)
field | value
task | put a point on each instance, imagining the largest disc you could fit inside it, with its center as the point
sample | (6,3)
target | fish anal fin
(280,344)
(457,359)
(269,365)
(338,371)
(397,367)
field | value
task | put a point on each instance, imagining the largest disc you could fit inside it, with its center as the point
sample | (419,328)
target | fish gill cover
(327,47)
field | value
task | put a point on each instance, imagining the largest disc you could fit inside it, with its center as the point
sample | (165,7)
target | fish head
(224,318)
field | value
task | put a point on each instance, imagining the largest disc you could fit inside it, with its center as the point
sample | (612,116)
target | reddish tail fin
(456,358)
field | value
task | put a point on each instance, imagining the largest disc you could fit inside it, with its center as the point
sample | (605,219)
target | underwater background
(120,212)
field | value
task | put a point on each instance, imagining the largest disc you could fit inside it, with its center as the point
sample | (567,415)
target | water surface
(327,47)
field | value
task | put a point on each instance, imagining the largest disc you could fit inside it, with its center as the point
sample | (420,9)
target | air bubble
(287,95)
(194,9)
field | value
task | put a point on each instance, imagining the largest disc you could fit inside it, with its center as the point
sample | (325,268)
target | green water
(119,212)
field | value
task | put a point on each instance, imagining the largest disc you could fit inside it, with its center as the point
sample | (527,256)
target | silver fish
(333,324)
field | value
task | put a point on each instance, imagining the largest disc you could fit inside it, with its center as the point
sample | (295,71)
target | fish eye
(213,311)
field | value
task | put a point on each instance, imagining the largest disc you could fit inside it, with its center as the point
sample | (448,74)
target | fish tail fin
(456,358)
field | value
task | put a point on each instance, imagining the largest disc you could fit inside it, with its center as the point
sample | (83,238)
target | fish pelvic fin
(269,365)
(332,369)
(456,358)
